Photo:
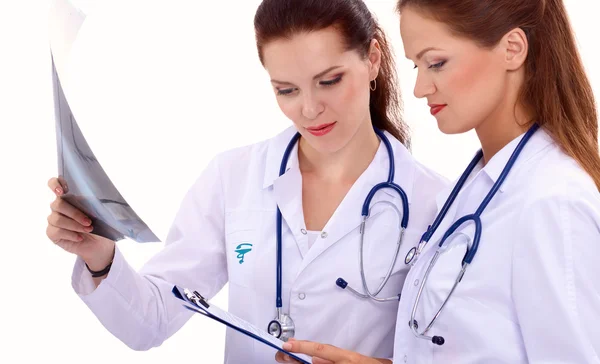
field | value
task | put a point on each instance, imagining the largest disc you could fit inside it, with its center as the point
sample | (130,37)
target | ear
(515,47)
(374,59)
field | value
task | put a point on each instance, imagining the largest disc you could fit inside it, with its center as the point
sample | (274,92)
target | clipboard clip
(196,298)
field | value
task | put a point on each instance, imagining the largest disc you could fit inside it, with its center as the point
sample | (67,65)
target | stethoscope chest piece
(282,327)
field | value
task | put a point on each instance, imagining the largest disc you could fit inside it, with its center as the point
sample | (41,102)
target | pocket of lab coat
(243,230)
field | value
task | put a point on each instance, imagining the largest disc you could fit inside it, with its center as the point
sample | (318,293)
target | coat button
(301,296)
(406,358)
(416,282)
(324,234)
(303,231)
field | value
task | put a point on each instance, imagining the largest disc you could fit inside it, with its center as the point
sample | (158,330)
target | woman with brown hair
(282,220)
(508,271)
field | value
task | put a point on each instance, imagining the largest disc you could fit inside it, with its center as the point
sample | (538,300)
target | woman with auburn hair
(282,221)
(508,271)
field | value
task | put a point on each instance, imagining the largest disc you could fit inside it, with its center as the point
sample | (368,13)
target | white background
(165,86)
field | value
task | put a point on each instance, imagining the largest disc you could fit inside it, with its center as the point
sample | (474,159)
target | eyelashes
(284,92)
(331,82)
(435,66)
(327,83)
(438,65)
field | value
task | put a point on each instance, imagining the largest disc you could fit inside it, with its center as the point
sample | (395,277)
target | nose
(424,86)
(311,106)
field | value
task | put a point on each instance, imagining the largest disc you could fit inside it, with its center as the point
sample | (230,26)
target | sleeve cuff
(83,283)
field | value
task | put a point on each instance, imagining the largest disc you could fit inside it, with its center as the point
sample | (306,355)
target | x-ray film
(87,186)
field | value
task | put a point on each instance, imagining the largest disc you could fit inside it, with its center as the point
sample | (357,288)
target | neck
(504,123)
(501,127)
(347,164)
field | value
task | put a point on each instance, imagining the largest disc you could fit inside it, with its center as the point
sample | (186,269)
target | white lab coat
(233,202)
(532,292)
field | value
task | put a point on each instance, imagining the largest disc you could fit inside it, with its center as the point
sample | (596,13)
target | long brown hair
(276,19)
(556,87)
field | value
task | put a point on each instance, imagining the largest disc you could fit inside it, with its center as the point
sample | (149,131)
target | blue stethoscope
(414,253)
(282,326)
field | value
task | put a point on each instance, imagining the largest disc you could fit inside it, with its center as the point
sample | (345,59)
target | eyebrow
(422,53)
(318,75)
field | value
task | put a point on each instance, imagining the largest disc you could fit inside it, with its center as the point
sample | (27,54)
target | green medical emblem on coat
(242,250)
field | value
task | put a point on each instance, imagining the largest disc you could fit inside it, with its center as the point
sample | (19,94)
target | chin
(449,127)
(325,145)
(328,147)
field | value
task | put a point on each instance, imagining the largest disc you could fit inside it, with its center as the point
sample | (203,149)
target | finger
(63,222)
(63,183)
(279,357)
(63,207)
(282,357)
(55,186)
(57,235)
(322,351)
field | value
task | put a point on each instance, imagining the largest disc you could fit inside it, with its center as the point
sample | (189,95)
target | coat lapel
(287,191)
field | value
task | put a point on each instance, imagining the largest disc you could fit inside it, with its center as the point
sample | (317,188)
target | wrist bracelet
(99,273)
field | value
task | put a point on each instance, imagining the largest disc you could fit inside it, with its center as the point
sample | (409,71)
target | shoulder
(426,182)
(428,185)
(552,177)
(244,165)
(557,202)
(252,158)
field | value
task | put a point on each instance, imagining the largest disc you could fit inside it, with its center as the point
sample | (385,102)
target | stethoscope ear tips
(438,340)
(341,283)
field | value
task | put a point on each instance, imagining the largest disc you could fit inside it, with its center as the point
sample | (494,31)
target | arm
(556,290)
(139,308)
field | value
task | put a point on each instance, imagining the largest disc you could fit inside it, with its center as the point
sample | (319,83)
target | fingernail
(287,346)
(58,191)
(89,229)
(87,221)
(79,237)
(286,357)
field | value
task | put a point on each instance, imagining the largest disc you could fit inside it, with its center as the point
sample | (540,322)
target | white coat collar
(275,149)
(538,142)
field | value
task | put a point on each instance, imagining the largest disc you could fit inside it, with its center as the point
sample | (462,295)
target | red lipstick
(436,108)
(320,130)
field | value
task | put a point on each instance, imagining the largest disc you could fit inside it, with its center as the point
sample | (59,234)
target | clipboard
(194,302)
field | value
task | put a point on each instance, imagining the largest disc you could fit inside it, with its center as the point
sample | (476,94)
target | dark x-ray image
(88,187)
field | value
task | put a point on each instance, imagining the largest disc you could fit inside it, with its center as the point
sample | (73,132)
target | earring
(373,85)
